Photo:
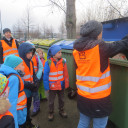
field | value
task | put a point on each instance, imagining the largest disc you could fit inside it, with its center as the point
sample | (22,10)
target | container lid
(114,30)
(66,44)
(45,42)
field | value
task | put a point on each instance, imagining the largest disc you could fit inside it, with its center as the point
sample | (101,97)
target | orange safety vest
(56,75)
(6,114)
(7,50)
(35,63)
(28,72)
(22,99)
(91,82)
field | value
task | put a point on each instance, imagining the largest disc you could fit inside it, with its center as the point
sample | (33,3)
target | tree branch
(115,8)
(55,3)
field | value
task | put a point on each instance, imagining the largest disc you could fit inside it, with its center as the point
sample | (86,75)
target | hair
(39,50)
(4,105)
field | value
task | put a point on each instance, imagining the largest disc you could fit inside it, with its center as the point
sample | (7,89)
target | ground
(59,122)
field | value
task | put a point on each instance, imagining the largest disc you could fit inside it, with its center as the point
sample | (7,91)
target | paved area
(59,122)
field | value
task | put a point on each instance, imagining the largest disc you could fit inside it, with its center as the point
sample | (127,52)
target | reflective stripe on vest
(94,79)
(8,50)
(56,72)
(34,60)
(96,89)
(28,72)
(26,77)
(91,82)
(18,107)
(20,99)
(56,78)
(16,54)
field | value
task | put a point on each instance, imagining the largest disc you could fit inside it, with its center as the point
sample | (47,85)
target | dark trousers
(29,102)
(52,95)
(7,122)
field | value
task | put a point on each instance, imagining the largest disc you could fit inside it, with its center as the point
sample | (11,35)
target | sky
(14,10)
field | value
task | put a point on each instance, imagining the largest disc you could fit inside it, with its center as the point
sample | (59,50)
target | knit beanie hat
(53,50)
(91,29)
(12,61)
(6,30)
(3,83)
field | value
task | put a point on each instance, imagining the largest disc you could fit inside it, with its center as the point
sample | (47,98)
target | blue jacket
(13,94)
(46,76)
(40,68)
(23,49)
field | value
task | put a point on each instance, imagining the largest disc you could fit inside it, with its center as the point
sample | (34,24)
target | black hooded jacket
(1,48)
(97,108)
(23,49)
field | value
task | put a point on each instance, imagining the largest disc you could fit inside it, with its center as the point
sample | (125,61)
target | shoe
(35,113)
(63,114)
(30,125)
(50,116)
(36,109)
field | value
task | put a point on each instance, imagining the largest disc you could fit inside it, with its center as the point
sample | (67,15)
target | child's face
(40,54)
(29,55)
(20,67)
(58,55)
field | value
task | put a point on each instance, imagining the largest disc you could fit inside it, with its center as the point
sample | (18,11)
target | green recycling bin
(119,94)
(67,46)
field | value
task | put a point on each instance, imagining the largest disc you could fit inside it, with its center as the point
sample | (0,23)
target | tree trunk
(71,19)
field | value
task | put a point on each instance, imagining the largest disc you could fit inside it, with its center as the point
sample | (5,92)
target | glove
(37,84)
(29,86)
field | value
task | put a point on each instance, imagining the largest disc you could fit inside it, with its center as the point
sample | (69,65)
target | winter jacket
(47,83)
(23,49)
(106,50)
(13,92)
(40,67)
(1,49)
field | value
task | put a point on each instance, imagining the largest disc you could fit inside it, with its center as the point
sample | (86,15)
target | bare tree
(49,32)
(43,29)
(62,29)
(104,10)
(70,12)
(18,31)
(28,21)
(35,33)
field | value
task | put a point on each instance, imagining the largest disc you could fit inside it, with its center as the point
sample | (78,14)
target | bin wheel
(72,94)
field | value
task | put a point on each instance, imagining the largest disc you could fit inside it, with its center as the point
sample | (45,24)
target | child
(41,87)
(13,68)
(55,79)
(6,117)
(26,52)
(38,67)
